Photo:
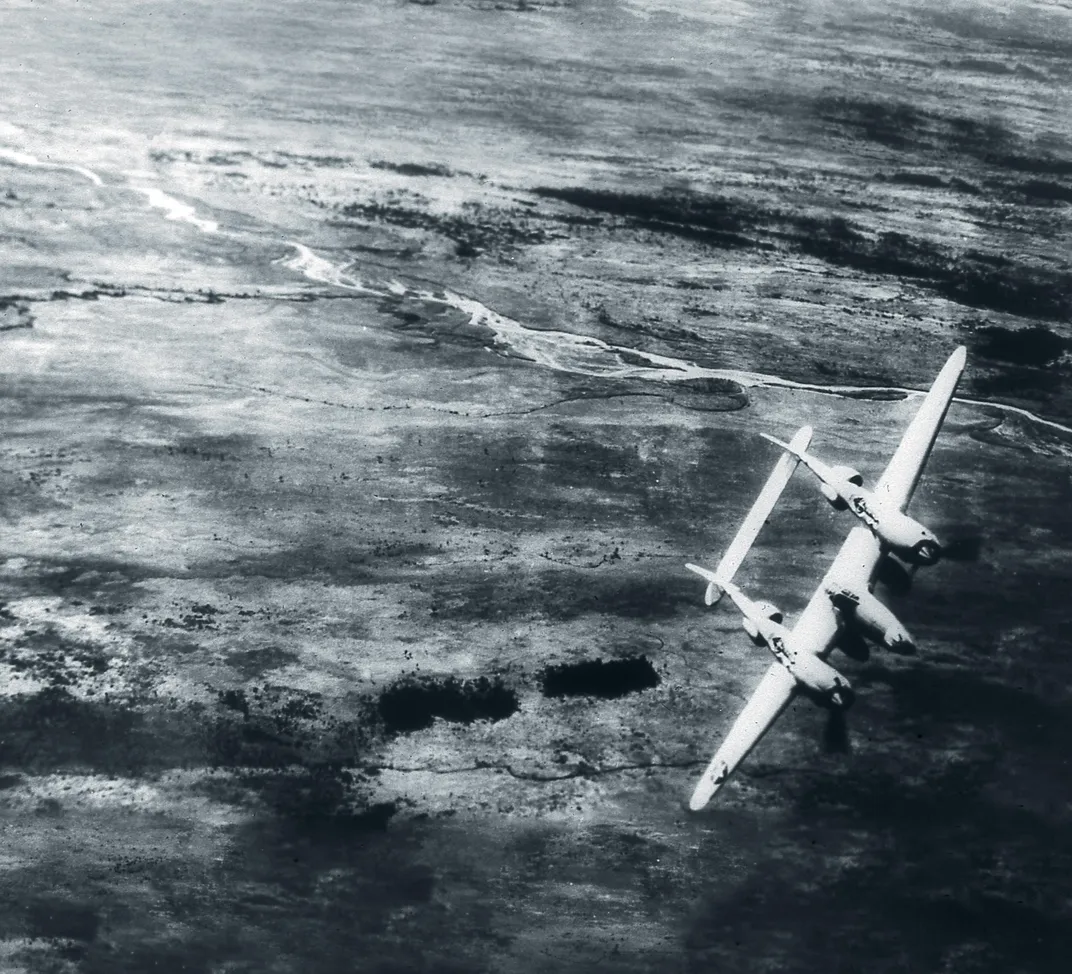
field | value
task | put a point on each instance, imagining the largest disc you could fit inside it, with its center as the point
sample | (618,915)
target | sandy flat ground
(369,373)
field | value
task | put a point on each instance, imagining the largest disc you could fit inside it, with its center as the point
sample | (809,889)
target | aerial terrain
(369,371)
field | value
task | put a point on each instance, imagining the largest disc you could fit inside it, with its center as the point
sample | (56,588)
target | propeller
(895,576)
(964,544)
(836,732)
(962,547)
(853,645)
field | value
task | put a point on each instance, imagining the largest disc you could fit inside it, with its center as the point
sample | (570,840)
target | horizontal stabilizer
(788,447)
(715,586)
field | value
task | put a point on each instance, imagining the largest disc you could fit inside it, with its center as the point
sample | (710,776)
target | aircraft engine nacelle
(868,614)
(849,474)
(770,611)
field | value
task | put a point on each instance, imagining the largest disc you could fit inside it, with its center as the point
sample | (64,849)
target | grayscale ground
(369,371)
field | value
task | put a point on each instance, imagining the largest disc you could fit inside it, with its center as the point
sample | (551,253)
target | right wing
(901,476)
(770,698)
(760,511)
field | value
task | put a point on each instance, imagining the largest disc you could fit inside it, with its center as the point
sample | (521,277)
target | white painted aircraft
(844,598)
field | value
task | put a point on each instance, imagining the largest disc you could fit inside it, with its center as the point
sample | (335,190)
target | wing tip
(704,793)
(699,800)
(708,785)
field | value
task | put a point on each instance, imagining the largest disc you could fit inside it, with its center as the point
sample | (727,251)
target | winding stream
(559,350)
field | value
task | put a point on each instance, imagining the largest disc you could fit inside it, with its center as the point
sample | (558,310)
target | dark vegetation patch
(967,277)
(197,619)
(272,160)
(329,797)
(716,221)
(413,704)
(706,395)
(563,593)
(252,663)
(896,125)
(54,917)
(926,695)
(1036,346)
(412,168)
(262,727)
(46,656)
(337,559)
(52,730)
(904,127)
(930,180)
(595,678)
(92,579)
(702,395)
(926,179)
(276,728)
(14,314)
(1043,189)
(1019,381)
(15,311)
(299,892)
(436,329)
(480,229)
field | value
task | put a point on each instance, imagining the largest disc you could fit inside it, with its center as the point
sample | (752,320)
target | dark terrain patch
(275,728)
(561,593)
(1036,346)
(970,880)
(479,229)
(251,663)
(329,797)
(930,180)
(717,221)
(412,168)
(261,727)
(55,917)
(52,730)
(967,277)
(595,678)
(412,704)
(47,656)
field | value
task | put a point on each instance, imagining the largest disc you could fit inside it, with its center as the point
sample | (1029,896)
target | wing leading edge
(761,509)
(902,474)
(770,698)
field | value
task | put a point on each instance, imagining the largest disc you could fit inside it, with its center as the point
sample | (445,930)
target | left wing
(770,698)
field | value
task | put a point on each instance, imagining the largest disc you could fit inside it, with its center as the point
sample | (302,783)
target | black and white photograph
(535,486)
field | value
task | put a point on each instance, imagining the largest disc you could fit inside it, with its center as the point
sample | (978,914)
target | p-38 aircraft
(844,603)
